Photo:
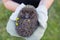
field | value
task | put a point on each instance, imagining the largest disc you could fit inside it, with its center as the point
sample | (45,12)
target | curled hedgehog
(27,21)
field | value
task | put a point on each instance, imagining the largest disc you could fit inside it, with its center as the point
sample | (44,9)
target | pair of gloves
(42,18)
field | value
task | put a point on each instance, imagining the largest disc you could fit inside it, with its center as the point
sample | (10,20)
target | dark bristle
(27,22)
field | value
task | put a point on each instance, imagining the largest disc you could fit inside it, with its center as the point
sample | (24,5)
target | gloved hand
(42,18)
(42,15)
(15,14)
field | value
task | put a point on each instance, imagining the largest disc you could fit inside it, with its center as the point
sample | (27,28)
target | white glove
(37,35)
(15,14)
(42,15)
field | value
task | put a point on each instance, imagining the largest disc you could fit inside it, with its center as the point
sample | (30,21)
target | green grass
(53,29)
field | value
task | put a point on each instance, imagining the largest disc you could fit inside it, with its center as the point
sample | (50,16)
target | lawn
(53,29)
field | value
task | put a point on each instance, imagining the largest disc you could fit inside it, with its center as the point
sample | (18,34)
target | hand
(15,14)
(39,32)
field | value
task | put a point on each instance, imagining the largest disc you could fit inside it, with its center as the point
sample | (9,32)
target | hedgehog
(27,21)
